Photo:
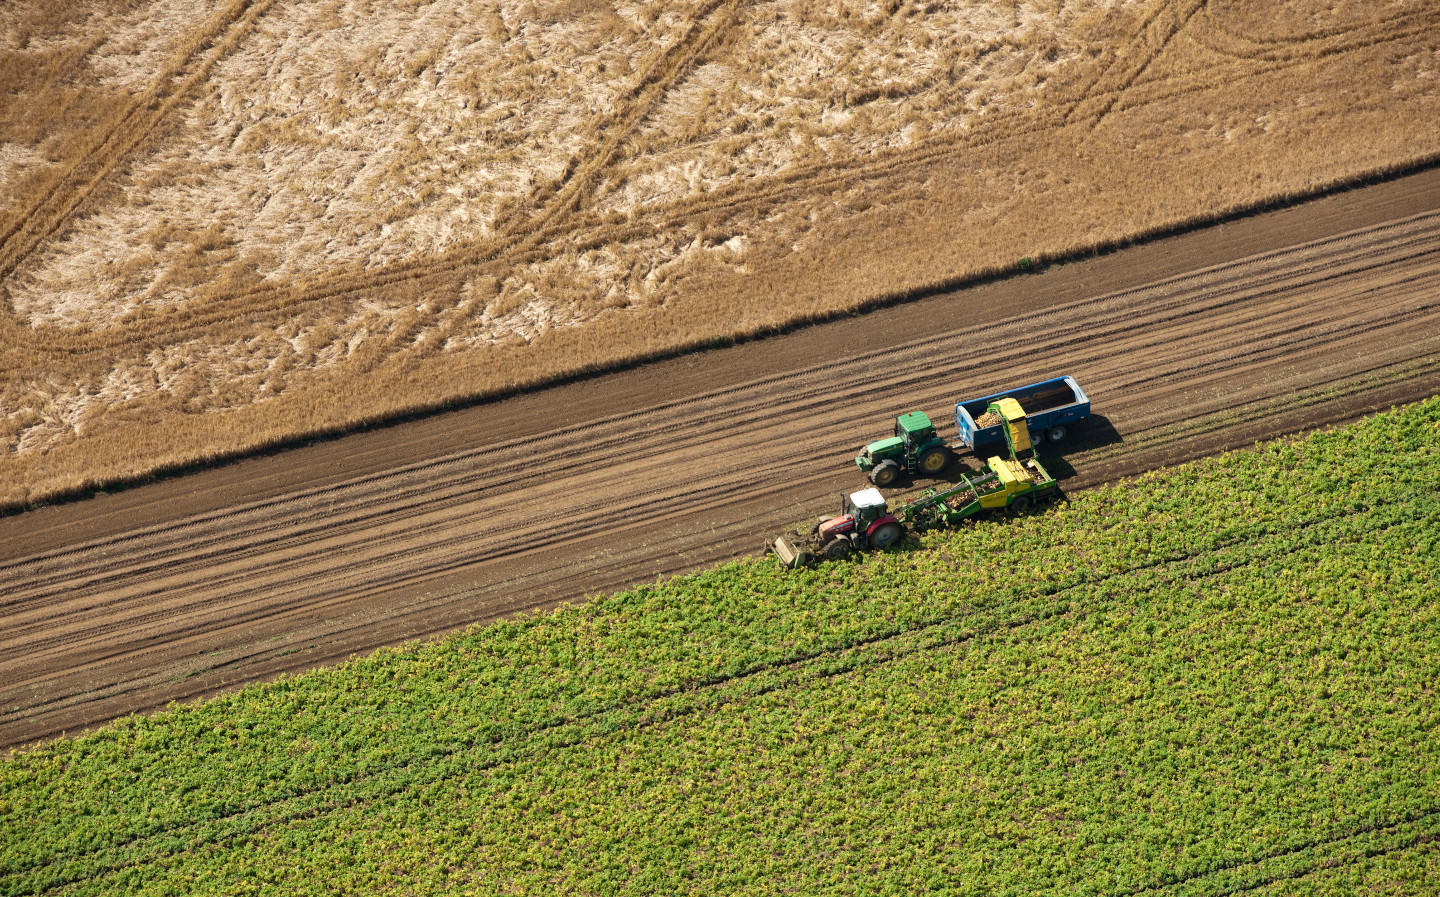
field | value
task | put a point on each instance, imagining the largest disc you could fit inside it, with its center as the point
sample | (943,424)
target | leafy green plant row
(448,765)
(1119,745)
(1402,850)
(1044,603)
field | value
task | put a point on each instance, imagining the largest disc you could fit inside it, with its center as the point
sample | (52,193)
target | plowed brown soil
(1263,326)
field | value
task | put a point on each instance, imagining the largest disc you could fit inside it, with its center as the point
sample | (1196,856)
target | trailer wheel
(885,473)
(934,460)
(1020,505)
(1057,434)
(886,535)
(836,549)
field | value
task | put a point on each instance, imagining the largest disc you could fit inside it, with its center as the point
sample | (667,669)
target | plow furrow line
(408,548)
(387,497)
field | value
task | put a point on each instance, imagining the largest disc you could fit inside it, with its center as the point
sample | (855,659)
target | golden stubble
(349,210)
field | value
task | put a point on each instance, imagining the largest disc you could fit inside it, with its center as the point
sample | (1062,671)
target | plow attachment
(791,556)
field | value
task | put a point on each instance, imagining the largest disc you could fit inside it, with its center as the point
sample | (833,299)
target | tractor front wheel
(836,549)
(886,535)
(885,473)
(934,461)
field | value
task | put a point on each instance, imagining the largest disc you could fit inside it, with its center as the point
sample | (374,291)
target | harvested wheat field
(227,224)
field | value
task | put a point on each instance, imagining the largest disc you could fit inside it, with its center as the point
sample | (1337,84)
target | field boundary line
(1308,271)
(1393,233)
(846,659)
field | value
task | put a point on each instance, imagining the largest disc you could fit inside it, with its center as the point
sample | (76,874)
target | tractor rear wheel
(886,535)
(934,460)
(836,549)
(885,473)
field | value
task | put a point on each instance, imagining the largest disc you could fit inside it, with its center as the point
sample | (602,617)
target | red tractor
(865,522)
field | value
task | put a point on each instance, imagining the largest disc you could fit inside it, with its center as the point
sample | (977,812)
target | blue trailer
(1051,407)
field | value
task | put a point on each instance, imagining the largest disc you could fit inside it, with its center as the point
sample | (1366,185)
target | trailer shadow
(1097,431)
(1094,432)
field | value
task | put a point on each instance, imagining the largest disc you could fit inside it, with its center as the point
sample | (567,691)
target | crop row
(1128,724)
(1141,689)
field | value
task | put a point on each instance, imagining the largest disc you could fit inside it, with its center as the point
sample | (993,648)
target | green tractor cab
(915,448)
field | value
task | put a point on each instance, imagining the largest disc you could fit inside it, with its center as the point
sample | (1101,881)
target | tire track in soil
(1119,67)
(1112,96)
(186,69)
(1265,57)
(133,617)
(1393,826)
(1227,41)
(610,131)
(519,236)
(355,509)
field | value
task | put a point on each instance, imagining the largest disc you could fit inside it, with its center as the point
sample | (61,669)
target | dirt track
(1263,326)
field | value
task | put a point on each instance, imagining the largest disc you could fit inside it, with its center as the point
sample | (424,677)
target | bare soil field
(1266,325)
(230,223)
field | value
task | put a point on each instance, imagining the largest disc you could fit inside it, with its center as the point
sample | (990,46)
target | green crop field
(1214,680)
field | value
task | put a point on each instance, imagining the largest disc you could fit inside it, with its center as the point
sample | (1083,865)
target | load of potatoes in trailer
(865,522)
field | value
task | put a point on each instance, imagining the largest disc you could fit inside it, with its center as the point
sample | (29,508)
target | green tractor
(915,448)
